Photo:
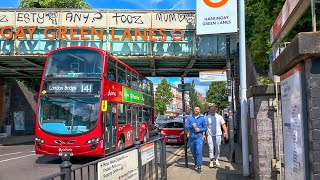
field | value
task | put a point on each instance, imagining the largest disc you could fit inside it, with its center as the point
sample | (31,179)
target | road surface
(21,162)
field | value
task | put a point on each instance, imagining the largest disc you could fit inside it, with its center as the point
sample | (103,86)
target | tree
(54,4)
(194,100)
(260,16)
(163,96)
(204,108)
(217,93)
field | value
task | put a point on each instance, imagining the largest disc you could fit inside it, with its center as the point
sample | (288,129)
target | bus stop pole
(230,102)
(243,86)
(184,122)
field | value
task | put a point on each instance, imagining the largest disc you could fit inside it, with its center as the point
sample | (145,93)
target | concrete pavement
(226,171)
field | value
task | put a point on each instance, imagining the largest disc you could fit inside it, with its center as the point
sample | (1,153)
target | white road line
(32,151)
(10,154)
(17,158)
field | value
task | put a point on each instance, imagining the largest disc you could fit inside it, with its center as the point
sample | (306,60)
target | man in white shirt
(214,122)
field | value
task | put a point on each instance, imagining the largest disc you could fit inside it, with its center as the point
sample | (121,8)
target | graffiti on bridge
(175,17)
(83,17)
(37,17)
(3,18)
(127,18)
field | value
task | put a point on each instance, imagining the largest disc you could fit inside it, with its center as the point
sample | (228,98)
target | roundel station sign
(215,4)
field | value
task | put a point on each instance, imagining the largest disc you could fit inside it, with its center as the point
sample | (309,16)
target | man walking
(214,122)
(197,128)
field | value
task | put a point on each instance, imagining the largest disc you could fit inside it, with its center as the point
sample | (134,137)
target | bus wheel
(121,144)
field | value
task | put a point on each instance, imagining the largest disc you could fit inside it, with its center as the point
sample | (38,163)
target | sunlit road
(20,162)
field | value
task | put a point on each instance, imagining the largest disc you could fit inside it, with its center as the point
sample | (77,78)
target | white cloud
(180,4)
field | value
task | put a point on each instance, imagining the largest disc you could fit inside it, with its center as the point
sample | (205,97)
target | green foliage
(33,84)
(204,108)
(194,100)
(265,80)
(163,96)
(81,4)
(260,16)
(217,93)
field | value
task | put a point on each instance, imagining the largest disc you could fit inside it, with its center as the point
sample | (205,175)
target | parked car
(173,132)
(162,120)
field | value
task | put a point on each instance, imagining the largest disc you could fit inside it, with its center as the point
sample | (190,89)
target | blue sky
(138,4)
(125,4)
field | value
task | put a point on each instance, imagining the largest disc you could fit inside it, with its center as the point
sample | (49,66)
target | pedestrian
(197,128)
(214,122)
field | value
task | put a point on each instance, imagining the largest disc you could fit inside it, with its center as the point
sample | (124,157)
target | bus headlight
(39,141)
(93,141)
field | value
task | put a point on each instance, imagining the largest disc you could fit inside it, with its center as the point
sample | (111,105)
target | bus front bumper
(75,150)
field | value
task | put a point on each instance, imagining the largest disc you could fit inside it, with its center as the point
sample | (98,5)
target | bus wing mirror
(104,105)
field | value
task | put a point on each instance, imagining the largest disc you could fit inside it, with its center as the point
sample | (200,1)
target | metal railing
(152,169)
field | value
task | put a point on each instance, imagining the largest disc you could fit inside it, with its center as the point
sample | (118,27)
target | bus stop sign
(184,87)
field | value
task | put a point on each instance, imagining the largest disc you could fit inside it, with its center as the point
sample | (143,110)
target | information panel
(292,120)
(147,153)
(124,166)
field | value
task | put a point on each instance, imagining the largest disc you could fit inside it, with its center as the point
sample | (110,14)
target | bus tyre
(121,144)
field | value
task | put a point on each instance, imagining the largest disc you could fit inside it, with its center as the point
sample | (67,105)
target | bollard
(137,145)
(65,166)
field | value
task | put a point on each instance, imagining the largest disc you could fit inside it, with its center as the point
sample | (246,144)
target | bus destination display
(70,88)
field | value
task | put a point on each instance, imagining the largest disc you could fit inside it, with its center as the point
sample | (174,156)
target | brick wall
(23,99)
(313,96)
(263,135)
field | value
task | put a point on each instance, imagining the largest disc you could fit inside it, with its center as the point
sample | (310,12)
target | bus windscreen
(68,115)
(74,63)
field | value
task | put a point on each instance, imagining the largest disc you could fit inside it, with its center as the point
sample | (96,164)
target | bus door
(111,128)
(134,121)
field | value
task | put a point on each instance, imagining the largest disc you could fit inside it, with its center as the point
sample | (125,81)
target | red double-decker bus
(91,104)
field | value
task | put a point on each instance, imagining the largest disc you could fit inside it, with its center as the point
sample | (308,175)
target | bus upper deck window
(111,70)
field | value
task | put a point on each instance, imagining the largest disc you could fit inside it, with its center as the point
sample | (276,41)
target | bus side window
(147,114)
(144,85)
(141,114)
(121,74)
(111,70)
(122,114)
(134,83)
(128,114)
(128,77)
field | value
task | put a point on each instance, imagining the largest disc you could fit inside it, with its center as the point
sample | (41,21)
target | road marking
(175,155)
(32,151)
(16,158)
(10,154)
